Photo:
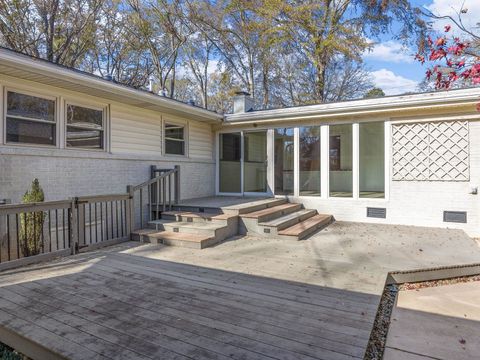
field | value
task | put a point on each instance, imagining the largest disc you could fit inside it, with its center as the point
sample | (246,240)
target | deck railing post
(177,184)
(74,226)
(130,210)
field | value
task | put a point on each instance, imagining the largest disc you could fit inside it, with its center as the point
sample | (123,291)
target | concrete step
(186,227)
(272,212)
(251,206)
(200,217)
(283,222)
(194,241)
(304,228)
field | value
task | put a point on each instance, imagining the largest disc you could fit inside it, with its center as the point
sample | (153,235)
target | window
(341,160)
(30,119)
(372,160)
(174,139)
(85,127)
(309,161)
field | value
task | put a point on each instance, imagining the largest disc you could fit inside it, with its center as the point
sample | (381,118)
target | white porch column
(356,159)
(296,162)
(388,157)
(324,161)
(270,161)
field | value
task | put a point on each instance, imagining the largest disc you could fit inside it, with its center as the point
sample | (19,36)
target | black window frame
(102,129)
(28,119)
(167,139)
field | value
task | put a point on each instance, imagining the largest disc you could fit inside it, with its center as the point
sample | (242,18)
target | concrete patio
(345,255)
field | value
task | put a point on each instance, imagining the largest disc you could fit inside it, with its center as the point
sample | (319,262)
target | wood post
(130,210)
(177,184)
(73,227)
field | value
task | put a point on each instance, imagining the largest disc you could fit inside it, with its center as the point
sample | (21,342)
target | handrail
(161,192)
(155,179)
(32,207)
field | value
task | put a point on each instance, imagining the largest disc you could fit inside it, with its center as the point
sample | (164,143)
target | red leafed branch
(452,61)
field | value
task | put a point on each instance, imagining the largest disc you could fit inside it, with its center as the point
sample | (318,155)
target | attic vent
(455,216)
(380,213)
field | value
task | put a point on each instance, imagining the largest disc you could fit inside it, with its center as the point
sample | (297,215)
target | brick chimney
(242,102)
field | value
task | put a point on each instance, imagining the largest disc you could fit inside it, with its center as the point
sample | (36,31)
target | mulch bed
(378,337)
(7,353)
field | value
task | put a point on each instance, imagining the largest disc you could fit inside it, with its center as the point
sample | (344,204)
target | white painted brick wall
(419,203)
(62,177)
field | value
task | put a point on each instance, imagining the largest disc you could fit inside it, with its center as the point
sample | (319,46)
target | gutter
(42,67)
(360,107)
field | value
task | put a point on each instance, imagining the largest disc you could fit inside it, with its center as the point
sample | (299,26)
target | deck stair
(290,221)
(197,227)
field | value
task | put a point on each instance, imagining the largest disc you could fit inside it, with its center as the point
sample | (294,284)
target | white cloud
(452,8)
(390,51)
(391,83)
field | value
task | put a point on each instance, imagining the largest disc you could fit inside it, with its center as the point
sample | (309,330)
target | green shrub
(31,228)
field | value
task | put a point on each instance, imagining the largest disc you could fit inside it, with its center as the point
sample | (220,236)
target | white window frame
(105,127)
(55,122)
(184,126)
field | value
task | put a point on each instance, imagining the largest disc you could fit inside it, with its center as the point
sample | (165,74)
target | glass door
(230,163)
(283,161)
(255,162)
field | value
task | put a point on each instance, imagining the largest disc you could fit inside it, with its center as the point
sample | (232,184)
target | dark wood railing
(37,232)
(155,196)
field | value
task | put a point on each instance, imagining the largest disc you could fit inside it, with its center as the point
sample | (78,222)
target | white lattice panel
(431,151)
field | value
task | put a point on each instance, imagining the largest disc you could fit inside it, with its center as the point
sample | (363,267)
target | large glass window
(309,161)
(174,139)
(230,163)
(341,155)
(30,119)
(372,160)
(283,162)
(84,127)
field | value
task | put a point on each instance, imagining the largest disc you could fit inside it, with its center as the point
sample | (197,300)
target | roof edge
(44,67)
(361,105)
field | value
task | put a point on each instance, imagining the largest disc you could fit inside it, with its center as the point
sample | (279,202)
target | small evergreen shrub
(31,224)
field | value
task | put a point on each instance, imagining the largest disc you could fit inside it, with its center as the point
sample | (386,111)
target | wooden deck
(110,304)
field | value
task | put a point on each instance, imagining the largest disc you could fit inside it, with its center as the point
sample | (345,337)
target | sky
(393,67)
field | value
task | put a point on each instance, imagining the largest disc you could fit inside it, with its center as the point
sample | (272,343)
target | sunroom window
(85,127)
(30,119)
(174,139)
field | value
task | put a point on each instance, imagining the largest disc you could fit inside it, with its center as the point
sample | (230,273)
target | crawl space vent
(380,213)
(455,216)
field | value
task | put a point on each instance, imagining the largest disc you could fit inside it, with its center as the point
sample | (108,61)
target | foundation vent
(380,213)
(455,216)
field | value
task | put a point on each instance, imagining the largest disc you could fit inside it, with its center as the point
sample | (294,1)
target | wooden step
(254,205)
(272,212)
(195,241)
(192,216)
(289,219)
(307,227)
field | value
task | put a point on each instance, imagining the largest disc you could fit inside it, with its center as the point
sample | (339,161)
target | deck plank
(112,305)
(283,338)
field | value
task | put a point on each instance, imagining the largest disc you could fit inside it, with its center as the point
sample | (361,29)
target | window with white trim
(174,139)
(85,127)
(30,119)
